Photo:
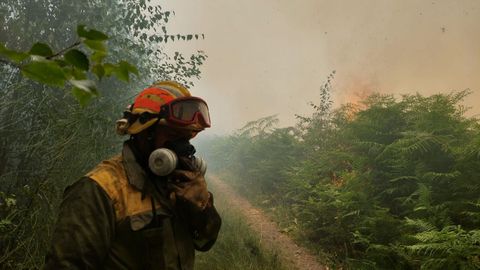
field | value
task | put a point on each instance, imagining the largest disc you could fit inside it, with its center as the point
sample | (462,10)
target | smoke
(354,90)
(270,57)
(406,46)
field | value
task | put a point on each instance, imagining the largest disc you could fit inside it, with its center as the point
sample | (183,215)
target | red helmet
(168,103)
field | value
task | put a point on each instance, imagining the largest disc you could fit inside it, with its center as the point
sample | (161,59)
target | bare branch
(61,52)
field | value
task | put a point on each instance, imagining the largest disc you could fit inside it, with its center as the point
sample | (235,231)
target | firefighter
(148,207)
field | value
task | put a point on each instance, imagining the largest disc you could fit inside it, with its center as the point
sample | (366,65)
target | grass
(237,246)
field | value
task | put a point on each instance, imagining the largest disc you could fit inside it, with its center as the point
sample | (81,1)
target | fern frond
(420,225)
(404,178)
(434,263)
(422,142)
(435,176)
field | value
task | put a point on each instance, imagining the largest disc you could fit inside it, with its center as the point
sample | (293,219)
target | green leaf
(60,62)
(85,85)
(98,56)
(131,68)
(12,55)
(83,91)
(122,73)
(81,96)
(99,71)
(41,49)
(124,69)
(90,34)
(109,69)
(77,74)
(96,45)
(47,72)
(77,59)
(189,37)
(81,30)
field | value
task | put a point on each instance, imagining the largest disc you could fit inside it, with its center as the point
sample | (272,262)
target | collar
(139,178)
(136,175)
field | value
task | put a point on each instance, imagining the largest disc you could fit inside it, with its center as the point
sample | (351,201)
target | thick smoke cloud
(270,57)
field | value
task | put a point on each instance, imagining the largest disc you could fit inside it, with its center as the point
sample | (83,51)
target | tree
(48,140)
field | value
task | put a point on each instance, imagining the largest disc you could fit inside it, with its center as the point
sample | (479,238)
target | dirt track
(295,257)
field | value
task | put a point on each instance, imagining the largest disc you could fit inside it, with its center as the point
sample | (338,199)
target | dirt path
(295,257)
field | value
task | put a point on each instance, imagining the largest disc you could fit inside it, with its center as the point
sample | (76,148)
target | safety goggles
(186,111)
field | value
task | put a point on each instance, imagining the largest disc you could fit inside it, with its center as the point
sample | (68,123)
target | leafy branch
(79,66)
(63,51)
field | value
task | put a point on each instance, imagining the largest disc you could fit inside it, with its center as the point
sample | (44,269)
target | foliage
(448,248)
(70,65)
(237,247)
(48,140)
(350,182)
(260,153)
(134,24)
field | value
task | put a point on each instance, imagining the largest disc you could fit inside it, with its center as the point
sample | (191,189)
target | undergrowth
(237,246)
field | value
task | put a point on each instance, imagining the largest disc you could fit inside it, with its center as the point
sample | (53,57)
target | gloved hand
(189,187)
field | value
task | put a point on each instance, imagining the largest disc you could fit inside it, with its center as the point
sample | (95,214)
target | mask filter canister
(162,161)
(201,165)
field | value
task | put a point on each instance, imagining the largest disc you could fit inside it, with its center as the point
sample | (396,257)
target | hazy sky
(271,56)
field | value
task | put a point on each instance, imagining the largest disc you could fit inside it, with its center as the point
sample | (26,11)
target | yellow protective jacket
(117,218)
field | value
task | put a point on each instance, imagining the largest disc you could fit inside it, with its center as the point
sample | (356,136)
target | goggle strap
(142,118)
(163,114)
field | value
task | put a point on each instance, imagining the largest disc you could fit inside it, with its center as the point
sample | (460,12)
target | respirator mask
(177,154)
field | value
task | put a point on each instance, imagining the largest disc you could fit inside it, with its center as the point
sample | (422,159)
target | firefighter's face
(164,134)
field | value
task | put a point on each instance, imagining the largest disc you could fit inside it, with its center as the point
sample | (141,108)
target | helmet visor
(189,111)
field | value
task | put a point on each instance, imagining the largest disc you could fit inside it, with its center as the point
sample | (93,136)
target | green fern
(422,142)
(451,246)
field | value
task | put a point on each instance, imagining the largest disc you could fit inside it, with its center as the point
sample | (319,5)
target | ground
(295,256)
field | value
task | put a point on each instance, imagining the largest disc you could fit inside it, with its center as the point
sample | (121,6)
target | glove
(189,187)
